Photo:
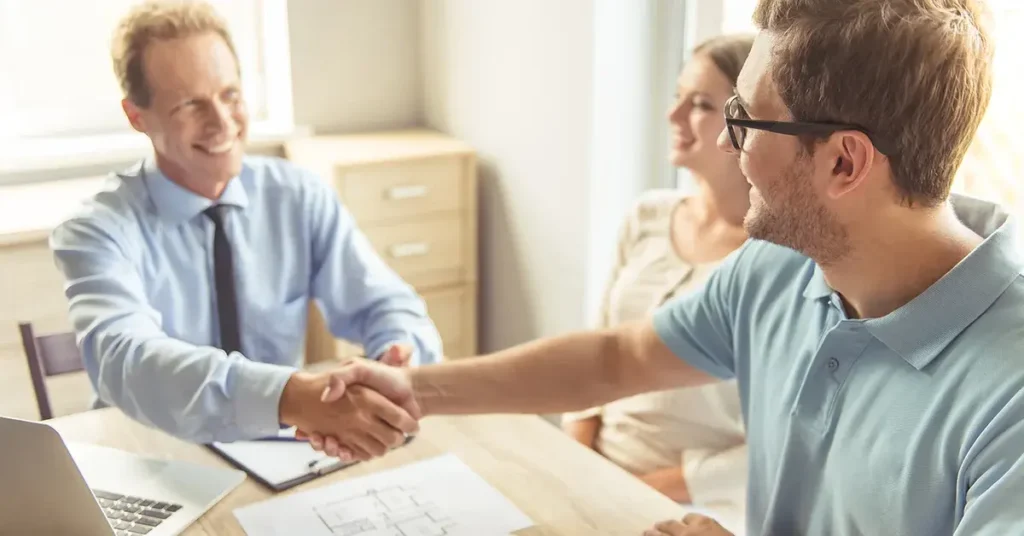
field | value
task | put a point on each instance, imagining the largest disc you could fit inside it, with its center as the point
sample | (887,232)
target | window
(58,84)
(736,16)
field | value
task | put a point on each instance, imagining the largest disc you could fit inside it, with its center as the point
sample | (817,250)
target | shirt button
(833,363)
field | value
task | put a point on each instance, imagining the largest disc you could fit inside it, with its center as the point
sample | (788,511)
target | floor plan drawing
(389,511)
(440,496)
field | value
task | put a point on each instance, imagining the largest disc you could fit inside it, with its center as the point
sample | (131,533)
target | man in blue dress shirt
(875,325)
(189,276)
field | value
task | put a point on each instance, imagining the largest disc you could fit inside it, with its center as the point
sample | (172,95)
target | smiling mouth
(219,149)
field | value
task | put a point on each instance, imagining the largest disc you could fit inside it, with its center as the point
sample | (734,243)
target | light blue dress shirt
(909,424)
(138,265)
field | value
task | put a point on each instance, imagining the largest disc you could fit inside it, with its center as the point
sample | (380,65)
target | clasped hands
(356,412)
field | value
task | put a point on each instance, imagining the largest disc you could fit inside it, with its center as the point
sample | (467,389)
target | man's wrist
(256,397)
(299,389)
(424,392)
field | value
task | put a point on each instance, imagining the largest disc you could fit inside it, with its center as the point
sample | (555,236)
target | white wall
(637,52)
(565,102)
(355,64)
(514,80)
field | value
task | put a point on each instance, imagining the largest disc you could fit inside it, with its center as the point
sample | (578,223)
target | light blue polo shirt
(910,424)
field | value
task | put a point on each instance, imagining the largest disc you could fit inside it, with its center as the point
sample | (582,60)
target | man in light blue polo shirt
(874,324)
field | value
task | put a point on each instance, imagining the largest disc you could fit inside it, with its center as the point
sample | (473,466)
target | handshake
(358,411)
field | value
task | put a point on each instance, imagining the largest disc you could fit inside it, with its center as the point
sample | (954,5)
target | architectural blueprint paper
(437,497)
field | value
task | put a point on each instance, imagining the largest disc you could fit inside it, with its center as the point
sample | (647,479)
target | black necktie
(224,277)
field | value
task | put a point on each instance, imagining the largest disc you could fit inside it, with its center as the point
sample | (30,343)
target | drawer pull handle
(407,192)
(409,249)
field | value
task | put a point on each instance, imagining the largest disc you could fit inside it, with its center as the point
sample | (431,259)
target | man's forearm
(194,393)
(559,374)
(555,375)
(364,299)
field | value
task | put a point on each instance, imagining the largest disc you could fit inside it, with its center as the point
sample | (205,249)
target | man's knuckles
(393,438)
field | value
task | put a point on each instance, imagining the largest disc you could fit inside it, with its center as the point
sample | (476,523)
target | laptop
(55,488)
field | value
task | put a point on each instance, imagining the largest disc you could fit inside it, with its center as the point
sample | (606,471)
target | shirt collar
(922,328)
(817,288)
(176,205)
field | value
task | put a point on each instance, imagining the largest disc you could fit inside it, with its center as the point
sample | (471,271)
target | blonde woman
(687,443)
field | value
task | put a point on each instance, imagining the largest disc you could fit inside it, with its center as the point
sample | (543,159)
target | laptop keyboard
(131,515)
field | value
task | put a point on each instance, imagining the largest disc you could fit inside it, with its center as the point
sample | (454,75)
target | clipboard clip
(322,466)
(327,464)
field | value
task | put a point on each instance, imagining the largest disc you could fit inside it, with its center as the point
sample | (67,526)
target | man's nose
(725,142)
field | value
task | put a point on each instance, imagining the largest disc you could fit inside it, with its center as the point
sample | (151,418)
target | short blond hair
(158,20)
(918,73)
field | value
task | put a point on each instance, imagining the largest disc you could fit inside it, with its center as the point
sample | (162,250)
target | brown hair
(915,72)
(158,20)
(727,52)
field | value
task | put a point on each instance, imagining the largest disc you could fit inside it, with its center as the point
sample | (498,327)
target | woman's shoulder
(653,209)
(657,202)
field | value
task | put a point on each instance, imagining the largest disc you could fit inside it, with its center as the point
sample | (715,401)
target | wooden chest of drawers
(414,195)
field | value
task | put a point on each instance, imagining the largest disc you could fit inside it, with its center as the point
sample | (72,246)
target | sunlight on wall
(994,166)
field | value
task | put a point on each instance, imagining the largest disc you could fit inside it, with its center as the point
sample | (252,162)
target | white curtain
(638,50)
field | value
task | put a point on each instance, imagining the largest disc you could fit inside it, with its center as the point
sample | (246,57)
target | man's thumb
(389,357)
(337,381)
(394,356)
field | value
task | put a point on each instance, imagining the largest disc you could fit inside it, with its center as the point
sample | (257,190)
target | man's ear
(134,115)
(851,156)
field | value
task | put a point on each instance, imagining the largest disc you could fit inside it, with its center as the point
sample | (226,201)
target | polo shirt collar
(817,288)
(921,329)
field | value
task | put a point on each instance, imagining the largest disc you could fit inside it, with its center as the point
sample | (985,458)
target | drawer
(447,308)
(426,253)
(453,312)
(398,191)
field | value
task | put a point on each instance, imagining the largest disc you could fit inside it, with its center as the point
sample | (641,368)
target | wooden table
(566,489)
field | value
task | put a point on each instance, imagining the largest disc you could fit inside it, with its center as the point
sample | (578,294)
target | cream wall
(355,64)
(513,79)
(565,102)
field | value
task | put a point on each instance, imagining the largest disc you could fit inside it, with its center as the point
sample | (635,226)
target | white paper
(277,461)
(437,497)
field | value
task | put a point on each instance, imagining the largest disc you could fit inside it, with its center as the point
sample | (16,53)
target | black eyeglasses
(737,122)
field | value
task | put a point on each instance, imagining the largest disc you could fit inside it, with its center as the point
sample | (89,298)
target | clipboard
(281,462)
